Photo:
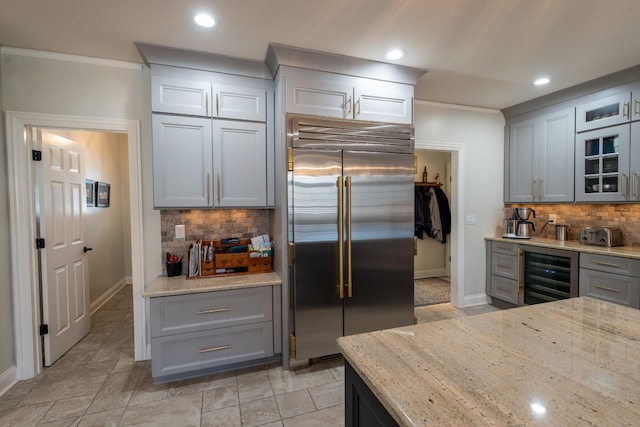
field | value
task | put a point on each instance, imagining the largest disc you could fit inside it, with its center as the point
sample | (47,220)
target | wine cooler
(548,275)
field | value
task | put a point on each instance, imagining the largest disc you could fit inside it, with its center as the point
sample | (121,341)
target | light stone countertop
(180,285)
(574,245)
(578,358)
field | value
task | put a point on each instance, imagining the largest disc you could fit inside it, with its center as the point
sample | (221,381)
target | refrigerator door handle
(349,279)
(340,238)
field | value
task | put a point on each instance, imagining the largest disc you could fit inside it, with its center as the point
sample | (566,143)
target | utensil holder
(174,268)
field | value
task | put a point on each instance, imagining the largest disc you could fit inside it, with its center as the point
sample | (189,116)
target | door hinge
(292,346)
(39,243)
(290,159)
(291,249)
(44,329)
(36,155)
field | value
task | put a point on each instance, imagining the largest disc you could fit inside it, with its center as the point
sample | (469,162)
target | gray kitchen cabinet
(181,96)
(502,271)
(541,158)
(611,278)
(199,333)
(193,97)
(634,160)
(240,163)
(182,166)
(602,164)
(347,97)
(608,111)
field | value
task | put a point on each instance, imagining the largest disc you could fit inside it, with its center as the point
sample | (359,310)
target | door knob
(86,249)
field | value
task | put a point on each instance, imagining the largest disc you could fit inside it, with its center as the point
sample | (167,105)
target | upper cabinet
(207,99)
(541,158)
(346,97)
(608,111)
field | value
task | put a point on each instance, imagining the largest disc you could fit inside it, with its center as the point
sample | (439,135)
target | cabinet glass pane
(602,112)
(601,164)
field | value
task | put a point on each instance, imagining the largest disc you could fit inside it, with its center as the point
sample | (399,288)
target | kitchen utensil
(562,231)
(524,213)
(524,229)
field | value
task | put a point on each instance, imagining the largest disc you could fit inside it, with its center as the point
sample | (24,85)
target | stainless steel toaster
(601,236)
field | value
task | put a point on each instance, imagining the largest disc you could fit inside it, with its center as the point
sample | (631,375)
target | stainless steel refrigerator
(351,222)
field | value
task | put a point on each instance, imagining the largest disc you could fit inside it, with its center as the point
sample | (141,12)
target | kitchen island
(569,362)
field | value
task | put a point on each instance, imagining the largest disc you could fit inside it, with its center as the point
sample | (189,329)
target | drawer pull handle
(210,349)
(606,264)
(605,288)
(506,267)
(214,310)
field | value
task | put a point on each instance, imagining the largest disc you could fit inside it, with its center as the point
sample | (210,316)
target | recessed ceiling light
(541,81)
(204,20)
(395,54)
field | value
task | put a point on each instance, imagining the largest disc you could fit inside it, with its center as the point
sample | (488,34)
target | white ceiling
(482,53)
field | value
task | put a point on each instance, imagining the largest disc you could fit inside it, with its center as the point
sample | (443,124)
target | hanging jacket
(444,214)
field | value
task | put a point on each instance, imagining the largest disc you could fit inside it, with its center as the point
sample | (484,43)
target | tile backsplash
(623,216)
(210,224)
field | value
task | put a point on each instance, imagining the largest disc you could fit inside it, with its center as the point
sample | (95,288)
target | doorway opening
(24,254)
(440,265)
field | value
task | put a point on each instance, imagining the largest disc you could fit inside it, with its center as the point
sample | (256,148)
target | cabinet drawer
(611,264)
(504,248)
(504,289)
(610,287)
(504,265)
(198,350)
(195,312)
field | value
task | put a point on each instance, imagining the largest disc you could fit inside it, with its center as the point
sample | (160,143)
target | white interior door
(64,269)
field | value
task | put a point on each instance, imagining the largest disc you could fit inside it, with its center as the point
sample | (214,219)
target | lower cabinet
(362,408)
(611,278)
(205,332)
(502,271)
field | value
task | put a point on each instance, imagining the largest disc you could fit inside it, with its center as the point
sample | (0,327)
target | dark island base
(362,408)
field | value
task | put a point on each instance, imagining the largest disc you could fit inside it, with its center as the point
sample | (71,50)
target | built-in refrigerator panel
(380,198)
(317,305)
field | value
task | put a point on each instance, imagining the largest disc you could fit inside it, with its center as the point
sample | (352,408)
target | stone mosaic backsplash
(623,216)
(210,224)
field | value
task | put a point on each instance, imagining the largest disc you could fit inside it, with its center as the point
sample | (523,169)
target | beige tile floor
(97,383)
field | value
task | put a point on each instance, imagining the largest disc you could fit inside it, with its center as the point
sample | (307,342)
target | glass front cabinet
(609,111)
(603,165)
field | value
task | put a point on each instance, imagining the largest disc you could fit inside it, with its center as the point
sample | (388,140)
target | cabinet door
(242,103)
(635,104)
(321,97)
(555,177)
(504,289)
(178,96)
(522,187)
(634,162)
(383,102)
(240,162)
(602,165)
(182,161)
(609,111)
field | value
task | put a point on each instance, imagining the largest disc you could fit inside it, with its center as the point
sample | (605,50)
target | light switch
(470,219)
(180,231)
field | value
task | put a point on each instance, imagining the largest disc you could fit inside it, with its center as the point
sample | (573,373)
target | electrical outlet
(552,218)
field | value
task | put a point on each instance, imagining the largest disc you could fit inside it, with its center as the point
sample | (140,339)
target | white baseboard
(478,299)
(102,299)
(7,379)
(436,272)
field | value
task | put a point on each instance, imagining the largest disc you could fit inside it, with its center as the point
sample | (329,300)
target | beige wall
(6,307)
(78,89)
(431,258)
(481,132)
(106,232)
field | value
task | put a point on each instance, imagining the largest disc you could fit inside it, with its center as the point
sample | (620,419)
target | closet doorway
(432,264)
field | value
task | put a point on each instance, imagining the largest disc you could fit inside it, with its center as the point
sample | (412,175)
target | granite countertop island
(180,285)
(566,363)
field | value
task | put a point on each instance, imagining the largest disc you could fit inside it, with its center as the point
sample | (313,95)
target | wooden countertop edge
(179,285)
